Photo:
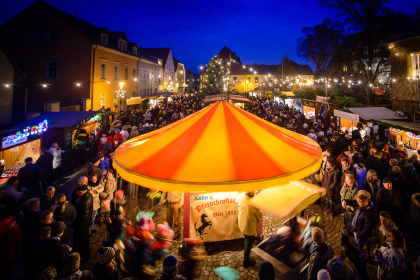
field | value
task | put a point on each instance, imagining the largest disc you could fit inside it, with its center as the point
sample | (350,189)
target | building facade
(149,74)
(167,79)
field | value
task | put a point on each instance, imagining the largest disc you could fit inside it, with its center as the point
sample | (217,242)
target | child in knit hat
(170,268)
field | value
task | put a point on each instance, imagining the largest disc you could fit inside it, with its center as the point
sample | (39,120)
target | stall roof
(63,119)
(409,126)
(376,113)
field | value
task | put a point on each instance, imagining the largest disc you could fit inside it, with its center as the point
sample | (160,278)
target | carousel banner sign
(214,216)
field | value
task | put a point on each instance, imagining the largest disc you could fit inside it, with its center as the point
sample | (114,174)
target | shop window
(415,65)
(126,73)
(51,69)
(116,68)
(103,70)
(53,37)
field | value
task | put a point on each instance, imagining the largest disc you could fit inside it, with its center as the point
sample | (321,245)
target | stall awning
(60,119)
(376,113)
(406,126)
(134,101)
(217,149)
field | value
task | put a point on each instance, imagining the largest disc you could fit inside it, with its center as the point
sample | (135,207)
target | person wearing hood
(72,270)
(339,268)
(361,172)
(320,255)
(364,221)
(415,215)
(95,187)
(388,199)
(390,256)
(371,183)
(82,200)
(348,191)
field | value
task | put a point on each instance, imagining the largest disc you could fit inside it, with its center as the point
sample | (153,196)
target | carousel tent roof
(63,119)
(219,148)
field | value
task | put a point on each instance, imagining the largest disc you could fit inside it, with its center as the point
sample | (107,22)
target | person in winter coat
(374,162)
(400,184)
(92,146)
(48,199)
(330,181)
(320,255)
(390,257)
(105,145)
(353,253)
(361,172)
(415,215)
(387,199)
(134,132)
(31,176)
(45,162)
(384,226)
(346,167)
(364,221)
(125,133)
(348,191)
(56,151)
(95,188)
(82,199)
(106,268)
(371,183)
(118,138)
(110,186)
(64,212)
(30,225)
(72,270)
(248,218)
(10,238)
(94,169)
(103,163)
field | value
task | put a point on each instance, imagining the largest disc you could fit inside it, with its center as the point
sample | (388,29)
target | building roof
(376,113)
(264,69)
(62,119)
(144,55)
(220,97)
(302,69)
(176,62)
(161,53)
(225,52)
(409,126)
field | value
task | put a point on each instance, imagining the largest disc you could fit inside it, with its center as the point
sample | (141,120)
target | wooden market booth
(312,108)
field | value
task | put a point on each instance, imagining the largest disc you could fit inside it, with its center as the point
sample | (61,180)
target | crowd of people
(371,184)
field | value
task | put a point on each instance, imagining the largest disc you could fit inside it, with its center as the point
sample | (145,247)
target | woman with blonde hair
(64,212)
(348,191)
(371,184)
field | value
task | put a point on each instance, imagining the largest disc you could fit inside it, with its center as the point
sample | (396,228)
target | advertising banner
(346,115)
(324,109)
(321,98)
(214,217)
(297,104)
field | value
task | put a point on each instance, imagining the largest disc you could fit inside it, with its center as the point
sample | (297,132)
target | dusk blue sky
(259,31)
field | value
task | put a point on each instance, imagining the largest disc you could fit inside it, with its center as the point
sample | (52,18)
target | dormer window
(104,39)
(122,45)
(134,50)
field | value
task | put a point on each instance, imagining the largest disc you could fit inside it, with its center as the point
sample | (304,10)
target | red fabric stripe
(165,162)
(250,161)
(311,150)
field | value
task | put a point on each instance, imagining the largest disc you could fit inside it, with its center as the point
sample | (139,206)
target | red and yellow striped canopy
(219,148)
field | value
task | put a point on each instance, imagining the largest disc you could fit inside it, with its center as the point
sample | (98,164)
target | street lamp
(121,93)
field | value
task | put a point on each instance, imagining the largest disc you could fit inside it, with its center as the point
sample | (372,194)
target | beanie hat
(105,255)
(95,159)
(323,275)
(57,228)
(170,264)
(336,269)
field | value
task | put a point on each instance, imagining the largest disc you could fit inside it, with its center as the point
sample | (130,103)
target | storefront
(349,121)
(24,142)
(312,108)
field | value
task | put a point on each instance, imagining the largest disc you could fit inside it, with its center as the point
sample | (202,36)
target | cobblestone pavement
(228,253)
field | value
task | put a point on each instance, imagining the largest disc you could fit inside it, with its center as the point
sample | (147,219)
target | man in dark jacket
(94,169)
(364,221)
(45,162)
(82,199)
(92,146)
(335,145)
(330,180)
(72,269)
(374,162)
(31,176)
(388,199)
(320,255)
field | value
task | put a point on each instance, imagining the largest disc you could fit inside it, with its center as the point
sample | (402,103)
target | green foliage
(343,100)
(213,77)
(308,93)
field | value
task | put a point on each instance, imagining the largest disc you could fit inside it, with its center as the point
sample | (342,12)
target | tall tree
(215,77)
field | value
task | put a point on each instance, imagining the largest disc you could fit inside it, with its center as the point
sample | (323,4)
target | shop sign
(214,216)
(12,141)
(324,109)
(297,105)
(412,135)
(347,116)
(134,101)
(395,131)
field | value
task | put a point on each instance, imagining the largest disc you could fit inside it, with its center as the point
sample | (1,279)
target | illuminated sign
(22,136)
(10,141)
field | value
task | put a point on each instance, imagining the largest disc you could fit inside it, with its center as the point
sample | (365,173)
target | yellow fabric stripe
(285,156)
(203,163)
(138,150)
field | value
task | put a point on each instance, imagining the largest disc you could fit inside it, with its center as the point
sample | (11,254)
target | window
(53,37)
(102,99)
(345,69)
(104,39)
(134,73)
(116,72)
(141,74)
(134,50)
(415,65)
(51,69)
(248,79)
(133,93)
(235,79)
(22,37)
(126,73)
(103,70)
(122,45)
(256,80)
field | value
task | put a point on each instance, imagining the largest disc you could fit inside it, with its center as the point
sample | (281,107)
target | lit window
(116,72)
(134,73)
(126,73)
(103,70)
(345,69)
(51,69)
(415,65)
(256,80)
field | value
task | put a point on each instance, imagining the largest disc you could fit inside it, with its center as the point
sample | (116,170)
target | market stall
(22,143)
(134,102)
(312,108)
(203,156)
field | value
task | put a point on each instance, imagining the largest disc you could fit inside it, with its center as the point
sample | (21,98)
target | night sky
(259,31)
